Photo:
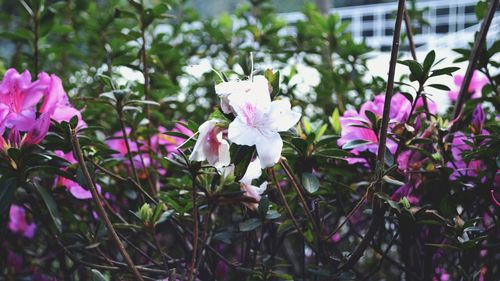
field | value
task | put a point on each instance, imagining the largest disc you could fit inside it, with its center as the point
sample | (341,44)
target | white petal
(269,149)
(262,188)
(253,172)
(224,157)
(225,89)
(240,133)
(257,96)
(198,153)
(281,116)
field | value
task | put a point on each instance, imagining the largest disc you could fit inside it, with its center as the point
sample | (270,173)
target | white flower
(253,172)
(258,120)
(225,89)
(211,145)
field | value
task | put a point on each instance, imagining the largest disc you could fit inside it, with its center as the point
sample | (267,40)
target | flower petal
(282,117)
(240,133)
(269,149)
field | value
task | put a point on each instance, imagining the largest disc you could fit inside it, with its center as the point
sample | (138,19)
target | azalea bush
(121,160)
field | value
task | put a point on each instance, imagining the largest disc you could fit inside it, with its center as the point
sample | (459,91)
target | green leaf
(429,60)
(310,182)
(415,68)
(439,87)
(142,102)
(393,204)
(335,121)
(51,206)
(444,71)
(320,132)
(165,216)
(408,96)
(8,187)
(480,9)
(333,152)
(97,275)
(263,206)
(371,116)
(355,143)
(249,225)
(242,157)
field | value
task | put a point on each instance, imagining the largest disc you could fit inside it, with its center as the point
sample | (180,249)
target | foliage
(181,212)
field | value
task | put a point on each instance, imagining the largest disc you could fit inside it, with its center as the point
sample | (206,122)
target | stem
(389,91)
(351,213)
(299,188)
(290,213)
(196,230)
(119,178)
(409,33)
(100,206)
(127,144)
(379,208)
(36,28)
(474,57)
(145,73)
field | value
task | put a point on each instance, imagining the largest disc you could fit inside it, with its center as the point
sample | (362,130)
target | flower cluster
(358,126)
(250,118)
(26,107)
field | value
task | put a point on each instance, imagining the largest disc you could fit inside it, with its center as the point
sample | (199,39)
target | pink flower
(441,275)
(19,96)
(18,222)
(56,101)
(254,171)
(73,187)
(478,81)
(211,145)
(478,119)
(462,168)
(118,143)
(357,126)
(38,132)
(170,143)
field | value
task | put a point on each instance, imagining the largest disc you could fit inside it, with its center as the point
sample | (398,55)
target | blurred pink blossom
(18,222)
(478,81)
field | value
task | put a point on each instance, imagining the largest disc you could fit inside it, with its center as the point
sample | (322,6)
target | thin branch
(125,138)
(379,208)
(100,208)
(289,211)
(389,92)
(474,57)
(298,187)
(196,230)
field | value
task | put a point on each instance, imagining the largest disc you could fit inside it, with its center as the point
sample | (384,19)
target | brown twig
(473,58)
(379,208)
(298,187)
(100,208)
(125,138)
(351,213)
(196,230)
(289,211)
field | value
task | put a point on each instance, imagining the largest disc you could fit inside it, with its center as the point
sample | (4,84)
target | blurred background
(327,52)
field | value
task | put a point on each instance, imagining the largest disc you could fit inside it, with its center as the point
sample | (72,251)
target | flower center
(249,112)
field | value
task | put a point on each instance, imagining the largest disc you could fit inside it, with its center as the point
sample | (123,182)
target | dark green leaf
(51,206)
(310,182)
(355,143)
(249,224)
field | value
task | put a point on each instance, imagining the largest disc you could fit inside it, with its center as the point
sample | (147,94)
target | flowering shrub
(147,169)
